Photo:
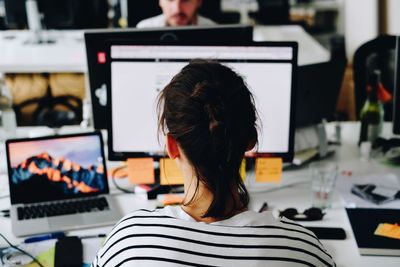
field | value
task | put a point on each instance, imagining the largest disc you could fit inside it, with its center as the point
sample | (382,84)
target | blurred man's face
(180,12)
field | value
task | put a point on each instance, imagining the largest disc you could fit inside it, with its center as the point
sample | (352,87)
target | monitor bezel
(396,98)
(97,39)
(51,137)
(286,156)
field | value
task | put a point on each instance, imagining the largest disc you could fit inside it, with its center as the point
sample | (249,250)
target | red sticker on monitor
(101,57)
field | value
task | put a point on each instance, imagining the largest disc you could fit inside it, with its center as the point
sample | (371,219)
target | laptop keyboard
(62,208)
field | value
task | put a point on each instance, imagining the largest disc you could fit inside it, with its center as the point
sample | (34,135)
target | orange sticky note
(141,170)
(170,174)
(268,170)
(388,230)
(242,170)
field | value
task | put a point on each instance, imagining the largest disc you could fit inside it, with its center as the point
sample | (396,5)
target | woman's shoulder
(281,238)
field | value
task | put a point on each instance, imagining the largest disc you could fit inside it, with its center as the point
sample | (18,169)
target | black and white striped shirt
(170,237)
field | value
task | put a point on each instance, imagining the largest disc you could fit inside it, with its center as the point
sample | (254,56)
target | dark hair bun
(208,109)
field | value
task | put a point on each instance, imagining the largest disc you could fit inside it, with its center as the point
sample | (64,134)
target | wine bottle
(371,115)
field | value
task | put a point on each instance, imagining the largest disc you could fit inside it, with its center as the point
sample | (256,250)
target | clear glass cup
(323,179)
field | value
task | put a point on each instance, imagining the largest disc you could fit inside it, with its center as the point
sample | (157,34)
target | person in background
(177,13)
(209,120)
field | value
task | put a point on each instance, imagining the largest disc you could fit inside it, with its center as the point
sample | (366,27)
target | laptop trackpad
(66,222)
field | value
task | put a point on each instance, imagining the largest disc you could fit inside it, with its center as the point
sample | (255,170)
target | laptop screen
(57,167)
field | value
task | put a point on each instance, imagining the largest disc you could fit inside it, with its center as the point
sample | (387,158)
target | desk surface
(344,252)
(68,53)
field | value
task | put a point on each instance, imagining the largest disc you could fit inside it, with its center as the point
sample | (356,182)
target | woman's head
(209,111)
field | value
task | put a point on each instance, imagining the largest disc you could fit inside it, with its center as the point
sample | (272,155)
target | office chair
(375,54)
(50,111)
(46,99)
(272,12)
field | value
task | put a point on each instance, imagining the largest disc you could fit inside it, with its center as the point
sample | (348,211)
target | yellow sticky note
(170,174)
(141,170)
(242,170)
(46,258)
(388,230)
(268,170)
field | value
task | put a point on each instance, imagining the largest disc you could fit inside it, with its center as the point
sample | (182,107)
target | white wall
(393,17)
(360,23)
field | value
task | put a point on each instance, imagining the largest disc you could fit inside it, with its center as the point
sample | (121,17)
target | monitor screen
(396,101)
(138,72)
(96,53)
(56,167)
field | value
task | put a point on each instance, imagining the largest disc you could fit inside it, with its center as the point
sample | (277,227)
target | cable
(113,175)
(21,250)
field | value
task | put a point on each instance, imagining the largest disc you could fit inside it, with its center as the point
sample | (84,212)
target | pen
(44,237)
(92,236)
(264,207)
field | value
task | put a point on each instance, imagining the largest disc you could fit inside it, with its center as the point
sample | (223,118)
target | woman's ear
(172,147)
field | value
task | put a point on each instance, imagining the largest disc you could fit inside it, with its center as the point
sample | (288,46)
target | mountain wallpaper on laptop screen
(61,175)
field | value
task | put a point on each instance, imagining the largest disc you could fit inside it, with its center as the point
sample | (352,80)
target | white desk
(68,53)
(344,252)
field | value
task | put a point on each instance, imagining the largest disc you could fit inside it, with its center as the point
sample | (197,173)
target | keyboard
(59,208)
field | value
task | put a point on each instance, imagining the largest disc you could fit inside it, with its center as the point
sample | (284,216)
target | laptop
(59,183)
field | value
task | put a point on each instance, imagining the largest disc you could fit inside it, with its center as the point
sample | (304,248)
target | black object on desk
(364,222)
(333,233)
(68,252)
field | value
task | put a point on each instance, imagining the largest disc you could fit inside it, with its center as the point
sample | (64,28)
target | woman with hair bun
(208,116)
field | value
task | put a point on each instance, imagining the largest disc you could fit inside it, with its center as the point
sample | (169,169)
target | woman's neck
(196,204)
(198,197)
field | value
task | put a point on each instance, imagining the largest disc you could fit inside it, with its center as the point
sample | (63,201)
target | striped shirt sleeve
(148,238)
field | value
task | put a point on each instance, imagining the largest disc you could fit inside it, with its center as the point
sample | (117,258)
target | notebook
(365,221)
(59,183)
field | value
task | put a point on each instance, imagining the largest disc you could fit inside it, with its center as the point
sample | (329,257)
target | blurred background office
(341,27)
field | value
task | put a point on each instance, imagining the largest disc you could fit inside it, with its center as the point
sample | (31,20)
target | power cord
(151,193)
(113,175)
(21,250)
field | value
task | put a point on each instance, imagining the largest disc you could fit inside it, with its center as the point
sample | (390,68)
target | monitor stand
(35,24)
(311,143)
(391,149)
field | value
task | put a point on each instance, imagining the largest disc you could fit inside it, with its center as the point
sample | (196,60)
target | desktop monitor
(15,14)
(74,14)
(138,71)
(396,99)
(60,14)
(96,53)
(318,91)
